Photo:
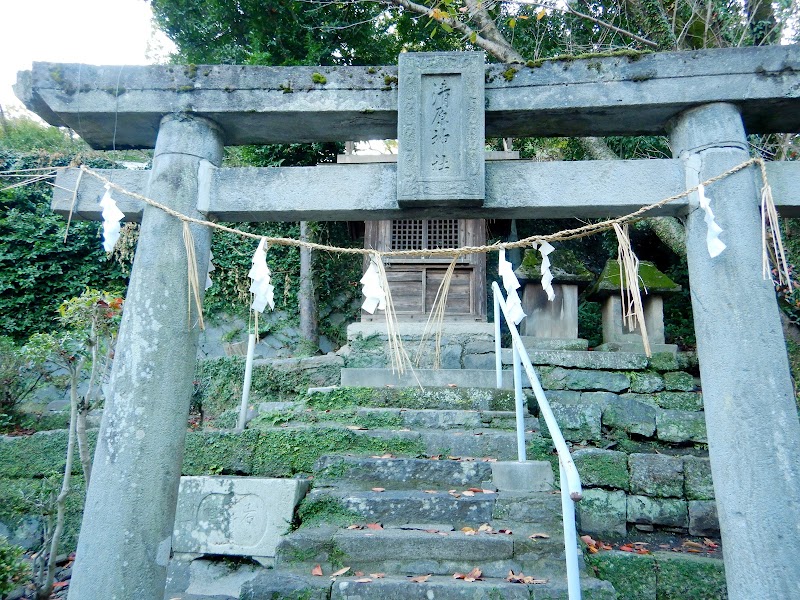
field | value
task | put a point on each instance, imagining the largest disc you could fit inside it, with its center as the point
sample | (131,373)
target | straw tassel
(193,277)
(632,309)
(771,240)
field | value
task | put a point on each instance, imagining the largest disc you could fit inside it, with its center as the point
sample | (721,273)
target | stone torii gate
(706,101)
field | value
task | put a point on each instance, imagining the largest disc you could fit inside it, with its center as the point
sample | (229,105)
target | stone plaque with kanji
(441,129)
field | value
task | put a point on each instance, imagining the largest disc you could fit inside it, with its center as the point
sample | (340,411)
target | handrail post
(498,358)
(570,539)
(519,400)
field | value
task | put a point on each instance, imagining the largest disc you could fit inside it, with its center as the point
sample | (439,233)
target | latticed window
(423,234)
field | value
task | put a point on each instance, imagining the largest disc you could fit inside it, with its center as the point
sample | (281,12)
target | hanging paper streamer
(715,245)
(211,267)
(547,277)
(373,291)
(112,215)
(511,284)
(261,288)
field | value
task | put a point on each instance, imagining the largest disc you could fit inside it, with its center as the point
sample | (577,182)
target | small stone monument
(552,325)
(653,285)
(238,516)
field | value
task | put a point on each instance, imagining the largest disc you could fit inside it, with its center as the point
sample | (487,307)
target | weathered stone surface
(577,422)
(287,586)
(632,575)
(441,588)
(692,401)
(629,414)
(703,517)
(667,512)
(680,381)
(685,576)
(602,512)
(543,510)
(646,382)
(664,361)
(622,361)
(656,475)
(234,515)
(440,129)
(563,396)
(529,476)
(580,379)
(213,578)
(698,483)
(681,426)
(603,468)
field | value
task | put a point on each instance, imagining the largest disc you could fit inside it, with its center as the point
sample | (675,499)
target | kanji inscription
(441,130)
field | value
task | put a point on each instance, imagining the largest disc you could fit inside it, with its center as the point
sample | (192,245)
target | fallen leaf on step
(710,543)
(485,527)
(358,574)
(378,489)
(364,580)
(355,527)
(421,578)
(469,531)
(435,457)
(375,526)
(476,490)
(442,533)
(505,531)
(341,571)
(473,575)
(377,575)
(468,493)
(623,548)
(489,491)
(451,385)
(539,536)
(691,544)
(356,427)
(317,571)
(430,491)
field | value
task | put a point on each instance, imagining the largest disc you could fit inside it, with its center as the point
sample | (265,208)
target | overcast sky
(99,32)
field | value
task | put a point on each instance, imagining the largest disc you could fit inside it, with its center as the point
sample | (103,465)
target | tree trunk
(306,296)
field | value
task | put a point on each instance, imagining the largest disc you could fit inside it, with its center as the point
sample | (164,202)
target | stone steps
(355,472)
(271,585)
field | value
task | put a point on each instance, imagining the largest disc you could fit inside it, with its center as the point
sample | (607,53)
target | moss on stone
(564,265)
(509,74)
(695,577)
(679,381)
(603,468)
(319,78)
(650,279)
(39,455)
(633,576)
(325,510)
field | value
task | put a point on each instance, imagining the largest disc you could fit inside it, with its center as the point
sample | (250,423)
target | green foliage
(13,568)
(22,134)
(38,269)
(325,510)
(19,376)
(218,385)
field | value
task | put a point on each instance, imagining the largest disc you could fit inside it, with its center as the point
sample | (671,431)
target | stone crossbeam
(515,189)
(120,107)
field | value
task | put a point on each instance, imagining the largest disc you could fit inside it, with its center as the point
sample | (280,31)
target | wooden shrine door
(415,282)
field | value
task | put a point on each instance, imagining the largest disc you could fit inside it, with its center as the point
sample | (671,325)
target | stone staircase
(404,525)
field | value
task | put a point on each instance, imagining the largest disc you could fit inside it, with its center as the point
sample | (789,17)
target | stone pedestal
(552,325)
(653,284)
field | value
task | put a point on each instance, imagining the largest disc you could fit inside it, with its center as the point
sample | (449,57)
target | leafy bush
(13,568)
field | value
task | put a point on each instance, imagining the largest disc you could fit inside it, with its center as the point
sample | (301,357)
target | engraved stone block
(441,129)
(240,516)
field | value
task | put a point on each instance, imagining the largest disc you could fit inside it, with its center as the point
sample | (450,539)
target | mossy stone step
(456,398)
(411,506)
(357,472)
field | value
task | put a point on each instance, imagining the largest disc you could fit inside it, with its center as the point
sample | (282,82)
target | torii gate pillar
(751,417)
(125,540)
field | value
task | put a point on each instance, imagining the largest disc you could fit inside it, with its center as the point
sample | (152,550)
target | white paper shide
(715,245)
(112,216)
(511,285)
(375,296)
(261,288)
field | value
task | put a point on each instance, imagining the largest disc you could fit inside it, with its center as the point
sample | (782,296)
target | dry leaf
(430,491)
(488,491)
(485,527)
(691,544)
(421,578)
(363,580)
(317,571)
(375,526)
(505,531)
(355,527)
(378,489)
(468,493)
(473,575)
(459,575)
(356,427)
(623,548)
(476,490)
(377,575)
(341,571)
(710,543)
(452,385)
(468,530)
(539,536)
